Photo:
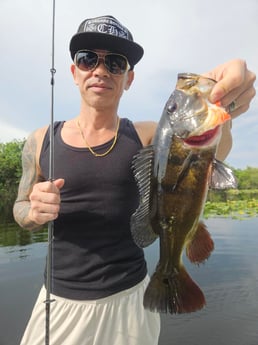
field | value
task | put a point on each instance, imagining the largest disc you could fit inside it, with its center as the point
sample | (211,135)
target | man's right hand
(45,201)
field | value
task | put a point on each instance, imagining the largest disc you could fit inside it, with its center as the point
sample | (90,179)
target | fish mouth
(204,139)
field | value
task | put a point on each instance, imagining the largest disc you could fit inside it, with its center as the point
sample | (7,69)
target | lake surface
(229,280)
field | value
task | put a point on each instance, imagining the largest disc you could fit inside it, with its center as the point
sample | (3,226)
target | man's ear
(130,78)
(73,71)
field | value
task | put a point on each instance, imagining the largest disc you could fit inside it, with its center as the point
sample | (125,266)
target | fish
(173,176)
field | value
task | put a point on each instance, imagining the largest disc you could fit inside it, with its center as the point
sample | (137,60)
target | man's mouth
(100,86)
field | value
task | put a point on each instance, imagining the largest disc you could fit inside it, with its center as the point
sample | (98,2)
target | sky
(177,36)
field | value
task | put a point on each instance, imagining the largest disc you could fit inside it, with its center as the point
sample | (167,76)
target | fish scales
(173,184)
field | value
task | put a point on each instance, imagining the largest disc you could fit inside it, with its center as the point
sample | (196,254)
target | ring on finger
(232,107)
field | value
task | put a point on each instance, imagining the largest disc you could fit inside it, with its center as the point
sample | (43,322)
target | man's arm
(29,178)
(37,202)
(225,143)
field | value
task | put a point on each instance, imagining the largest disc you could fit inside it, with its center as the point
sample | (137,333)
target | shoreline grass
(236,209)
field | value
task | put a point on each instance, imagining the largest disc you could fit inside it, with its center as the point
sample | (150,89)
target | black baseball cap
(107,33)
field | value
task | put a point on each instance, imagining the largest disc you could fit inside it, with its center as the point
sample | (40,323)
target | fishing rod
(48,301)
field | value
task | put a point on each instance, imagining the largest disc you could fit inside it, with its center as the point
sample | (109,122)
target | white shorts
(119,319)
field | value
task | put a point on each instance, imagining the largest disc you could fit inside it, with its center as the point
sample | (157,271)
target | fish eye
(171,108)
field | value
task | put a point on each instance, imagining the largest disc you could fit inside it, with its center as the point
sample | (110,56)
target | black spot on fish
(165,281)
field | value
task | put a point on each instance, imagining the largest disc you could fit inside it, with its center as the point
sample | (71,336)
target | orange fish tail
(175,294)
(201,245)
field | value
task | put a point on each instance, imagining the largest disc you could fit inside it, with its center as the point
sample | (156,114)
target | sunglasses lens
(86,60)
(116,64)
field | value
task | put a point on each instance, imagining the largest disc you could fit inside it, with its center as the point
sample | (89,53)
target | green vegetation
(238,203)
(10,173)
(242,202)
(12,235)
(236,209)
(248,178)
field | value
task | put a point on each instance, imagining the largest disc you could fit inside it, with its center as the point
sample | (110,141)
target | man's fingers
(59,183)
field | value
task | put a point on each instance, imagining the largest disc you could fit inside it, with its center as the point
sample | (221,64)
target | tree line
(10,173)
(11,170)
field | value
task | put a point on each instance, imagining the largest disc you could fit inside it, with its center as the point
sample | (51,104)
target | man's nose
(101,67)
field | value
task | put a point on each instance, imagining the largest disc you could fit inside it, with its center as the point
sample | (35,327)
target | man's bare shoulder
(34,142)
(146,131)
(38,134)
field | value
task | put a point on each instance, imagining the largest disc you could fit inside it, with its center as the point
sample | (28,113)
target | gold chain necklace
(88,146)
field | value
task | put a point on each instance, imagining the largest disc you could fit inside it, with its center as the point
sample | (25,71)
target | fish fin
(222,176)
(141,228)
(175,294)
(190,159)
(201,245)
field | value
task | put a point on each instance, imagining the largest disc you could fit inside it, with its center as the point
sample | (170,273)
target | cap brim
(92,40)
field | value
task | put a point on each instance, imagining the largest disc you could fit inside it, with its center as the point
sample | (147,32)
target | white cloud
(9,133)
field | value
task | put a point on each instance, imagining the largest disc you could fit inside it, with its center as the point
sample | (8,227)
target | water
(229,280)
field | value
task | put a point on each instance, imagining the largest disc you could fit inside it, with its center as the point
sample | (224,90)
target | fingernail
(213,98)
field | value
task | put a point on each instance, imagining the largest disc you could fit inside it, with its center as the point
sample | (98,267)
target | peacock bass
(173,176)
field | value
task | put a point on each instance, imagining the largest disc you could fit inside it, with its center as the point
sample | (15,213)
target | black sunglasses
(88,60)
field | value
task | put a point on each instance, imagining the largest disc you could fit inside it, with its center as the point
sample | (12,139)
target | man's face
(98,87)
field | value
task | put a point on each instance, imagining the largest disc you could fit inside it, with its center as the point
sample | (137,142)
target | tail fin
(175,294)
(201,245)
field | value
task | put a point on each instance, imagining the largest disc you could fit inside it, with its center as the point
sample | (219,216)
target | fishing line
(48,301)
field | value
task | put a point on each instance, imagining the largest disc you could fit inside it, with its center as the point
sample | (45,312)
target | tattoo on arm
(28,179)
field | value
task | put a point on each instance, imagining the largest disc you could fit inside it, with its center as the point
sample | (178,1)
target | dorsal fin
(141,228)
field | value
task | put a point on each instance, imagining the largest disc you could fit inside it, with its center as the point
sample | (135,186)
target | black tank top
(94,255)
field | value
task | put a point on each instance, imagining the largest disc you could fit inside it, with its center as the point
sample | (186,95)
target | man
(99,275)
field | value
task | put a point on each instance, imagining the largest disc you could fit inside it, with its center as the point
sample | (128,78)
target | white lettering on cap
(106,26)
(108,29)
